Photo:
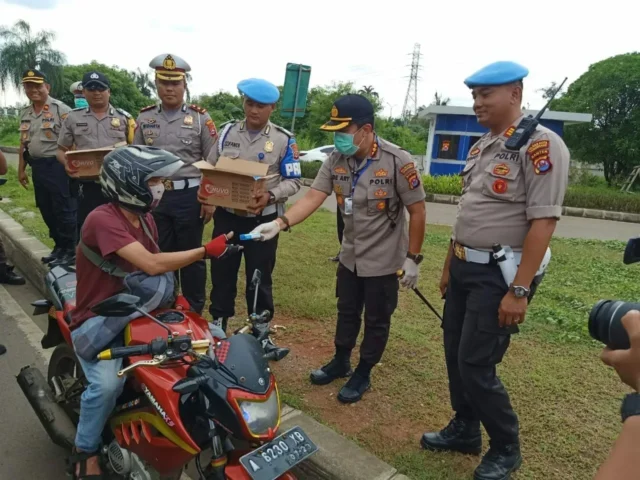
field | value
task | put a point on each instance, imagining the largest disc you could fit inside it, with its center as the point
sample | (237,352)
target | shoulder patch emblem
(474,151)
(538,145)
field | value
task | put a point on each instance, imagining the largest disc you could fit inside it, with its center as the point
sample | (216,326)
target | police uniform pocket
(187,136)
(501,181)
(81,130)
(379,199)
(117,133)
(466,174)
(48,132)
(489,341)
(230,153)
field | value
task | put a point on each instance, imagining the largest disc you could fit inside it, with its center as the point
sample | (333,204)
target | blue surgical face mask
(344,143)
(81,102)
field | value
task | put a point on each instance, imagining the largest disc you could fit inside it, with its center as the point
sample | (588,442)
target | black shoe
(67,258)
(335,259)
(9,277)
(354,389)
(499,462)
(3,349)
(461,435)
(331,371)
(55,253)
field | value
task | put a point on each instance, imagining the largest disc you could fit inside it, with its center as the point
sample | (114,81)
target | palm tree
(144,83)
(439,100)
(21,49)
(368,90)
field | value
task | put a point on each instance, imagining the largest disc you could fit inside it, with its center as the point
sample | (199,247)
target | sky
(367,43)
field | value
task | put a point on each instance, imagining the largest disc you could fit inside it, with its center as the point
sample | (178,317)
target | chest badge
(48,115)
(151,121)
(500,186)
(380,193)
(115,122)
(501,170)
(268,146)
(188,120)
(340,170)
(381,173)
(261,156)
(149,141)
(380,205)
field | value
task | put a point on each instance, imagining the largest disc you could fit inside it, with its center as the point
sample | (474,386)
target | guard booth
(454,130)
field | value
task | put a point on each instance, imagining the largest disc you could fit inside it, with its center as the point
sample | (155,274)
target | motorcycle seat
(62,285)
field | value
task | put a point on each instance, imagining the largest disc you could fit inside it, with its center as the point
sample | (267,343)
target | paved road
(441,214)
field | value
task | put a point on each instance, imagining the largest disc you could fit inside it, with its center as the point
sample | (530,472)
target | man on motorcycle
(124,233)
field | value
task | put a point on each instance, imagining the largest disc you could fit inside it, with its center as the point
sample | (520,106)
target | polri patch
(212,127)
(542,166)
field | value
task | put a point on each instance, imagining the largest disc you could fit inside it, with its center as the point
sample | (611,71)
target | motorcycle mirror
(120,305)
(257,276)
(186,385)
(632,251)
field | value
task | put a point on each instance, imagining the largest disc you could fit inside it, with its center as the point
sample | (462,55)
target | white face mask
(156,191)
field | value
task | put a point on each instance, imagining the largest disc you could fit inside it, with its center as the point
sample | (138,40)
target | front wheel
(66,379)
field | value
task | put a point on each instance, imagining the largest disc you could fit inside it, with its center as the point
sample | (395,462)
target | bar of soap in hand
(249,236)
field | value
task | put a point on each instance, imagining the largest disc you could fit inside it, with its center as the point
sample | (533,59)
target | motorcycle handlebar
(156,347)
(121,352)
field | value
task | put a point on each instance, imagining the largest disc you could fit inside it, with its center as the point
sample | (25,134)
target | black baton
(400,274)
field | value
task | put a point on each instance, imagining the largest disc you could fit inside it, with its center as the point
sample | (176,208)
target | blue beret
(259,90)
(498,73)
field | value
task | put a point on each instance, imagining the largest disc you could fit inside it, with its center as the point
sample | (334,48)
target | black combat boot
(338,367)
(67,258)
(461,435)
(9,277)
(499,462)
(55,253)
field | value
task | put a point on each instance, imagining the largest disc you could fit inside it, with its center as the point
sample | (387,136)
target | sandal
(81,458)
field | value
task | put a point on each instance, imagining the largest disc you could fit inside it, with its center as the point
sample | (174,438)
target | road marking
(12,309)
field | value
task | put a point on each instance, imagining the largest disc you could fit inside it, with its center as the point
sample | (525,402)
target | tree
(124,91)
(369,91)
(610,91)
(144,82)
(547,92)
(21,49)
(439,100)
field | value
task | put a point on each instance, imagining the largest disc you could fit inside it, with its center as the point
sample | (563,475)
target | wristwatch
(416,258)
(519,292)
(630,406)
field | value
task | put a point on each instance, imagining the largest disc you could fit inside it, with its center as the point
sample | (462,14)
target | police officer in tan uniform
(374,181)
(188,132)
(40,125)
(513,199)
(98,125)
(255,139)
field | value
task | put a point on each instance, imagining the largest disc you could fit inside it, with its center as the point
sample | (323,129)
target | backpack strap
(105,265)
(99,261)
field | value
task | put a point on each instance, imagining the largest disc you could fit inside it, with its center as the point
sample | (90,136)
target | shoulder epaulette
(197,108)
(147,108)
(387,146)
(123,112)
(283,130)
(78,109)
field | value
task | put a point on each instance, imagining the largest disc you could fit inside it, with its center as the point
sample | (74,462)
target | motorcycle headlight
(260,417)
(260,413)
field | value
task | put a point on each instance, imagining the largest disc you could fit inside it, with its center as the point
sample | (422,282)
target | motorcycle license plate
(279,456)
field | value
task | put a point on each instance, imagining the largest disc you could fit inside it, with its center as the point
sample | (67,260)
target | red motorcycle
(186,392)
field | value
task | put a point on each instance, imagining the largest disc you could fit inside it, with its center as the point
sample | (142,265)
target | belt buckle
(168,184)
(459,251)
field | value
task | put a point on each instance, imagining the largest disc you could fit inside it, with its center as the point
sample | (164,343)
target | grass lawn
(567,400)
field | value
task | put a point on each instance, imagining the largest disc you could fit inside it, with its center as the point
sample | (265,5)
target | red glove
(218,247)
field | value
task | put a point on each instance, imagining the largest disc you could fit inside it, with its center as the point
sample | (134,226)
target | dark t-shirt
(106,230)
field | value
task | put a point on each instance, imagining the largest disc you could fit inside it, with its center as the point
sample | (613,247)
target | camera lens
(605,323)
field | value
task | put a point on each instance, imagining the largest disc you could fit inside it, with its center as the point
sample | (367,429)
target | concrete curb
(568,211)
(337,458)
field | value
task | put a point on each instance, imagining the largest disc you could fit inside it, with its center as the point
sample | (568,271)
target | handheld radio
(528,125)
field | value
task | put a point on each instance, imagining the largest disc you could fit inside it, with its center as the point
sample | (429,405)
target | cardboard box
(232,182)
(88,162)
